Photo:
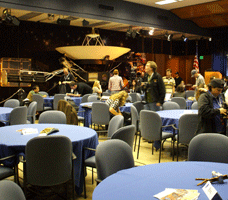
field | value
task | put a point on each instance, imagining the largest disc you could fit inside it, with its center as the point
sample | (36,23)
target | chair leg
(160,154)
(173,146)
(177,150)
(92,175)
(152,148)
(138,146)
(136,135)
(84,172)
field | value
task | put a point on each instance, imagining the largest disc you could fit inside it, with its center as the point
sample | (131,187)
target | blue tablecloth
(189,104)
(87,114)
(145,181)
(172,117)
(13,143)
(4,114)
(48,101)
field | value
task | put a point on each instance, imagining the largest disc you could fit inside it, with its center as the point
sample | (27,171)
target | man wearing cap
(115,83)
(212,115)
(154,87)
(199,78)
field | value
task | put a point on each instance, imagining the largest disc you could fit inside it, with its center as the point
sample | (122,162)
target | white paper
(27,131)
(209,190)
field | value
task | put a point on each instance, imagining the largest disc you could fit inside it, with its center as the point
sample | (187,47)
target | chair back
(12,103)
(112,156)
(114,124)
(70,112)
(151,124)
(135,97)
(187,127)
(210,147)
(106,94)
(40,101)
(85,98)
(195,106)
(57,97)
(18,115)
(48,160)
(139,106)
(100,113)
(189,93)
(170,106)
(11,191)
(93,98)
(32,112)
(125,134)
(181,102)
(134,117)
(52,117)
(129,99)
(44,93)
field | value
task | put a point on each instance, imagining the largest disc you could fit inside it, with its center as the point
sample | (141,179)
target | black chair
(210,147)
(10,191)
(111,157)
(49,162)
(187,128)
(151,129)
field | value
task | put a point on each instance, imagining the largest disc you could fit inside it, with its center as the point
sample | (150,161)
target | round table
(12,142)
(172,117)
(145,181)
(4,114)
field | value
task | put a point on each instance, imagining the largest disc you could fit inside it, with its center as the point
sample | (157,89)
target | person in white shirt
(115,83)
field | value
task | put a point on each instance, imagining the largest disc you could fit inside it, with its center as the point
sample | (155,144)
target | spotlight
(170,37)
(151,31)
(134,34)
(65,22)
(9,19)
(184,38)
(85,23)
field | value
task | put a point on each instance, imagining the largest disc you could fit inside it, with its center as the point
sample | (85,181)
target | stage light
(85,23)
(65,22)
(9,19)
(151,31)
(184,38)
(170,37)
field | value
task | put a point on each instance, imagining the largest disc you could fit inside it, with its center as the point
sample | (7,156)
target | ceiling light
(151,31)
(184,38)
(170,37)
(165,2)
(210,39)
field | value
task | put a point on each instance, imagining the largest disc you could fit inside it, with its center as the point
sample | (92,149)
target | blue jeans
(151,106)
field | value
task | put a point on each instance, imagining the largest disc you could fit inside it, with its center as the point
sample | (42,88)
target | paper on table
(187,112)
(48,131)
(171,194)
(27,131)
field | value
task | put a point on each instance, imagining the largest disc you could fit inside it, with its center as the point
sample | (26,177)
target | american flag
(196,63)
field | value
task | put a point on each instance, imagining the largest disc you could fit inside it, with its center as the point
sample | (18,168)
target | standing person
(79,89)
(199,79)
(211,112)
(178,80)
(97,88)
(115,83)
(65,80)
(154,87)
(35,90)
(169,82)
